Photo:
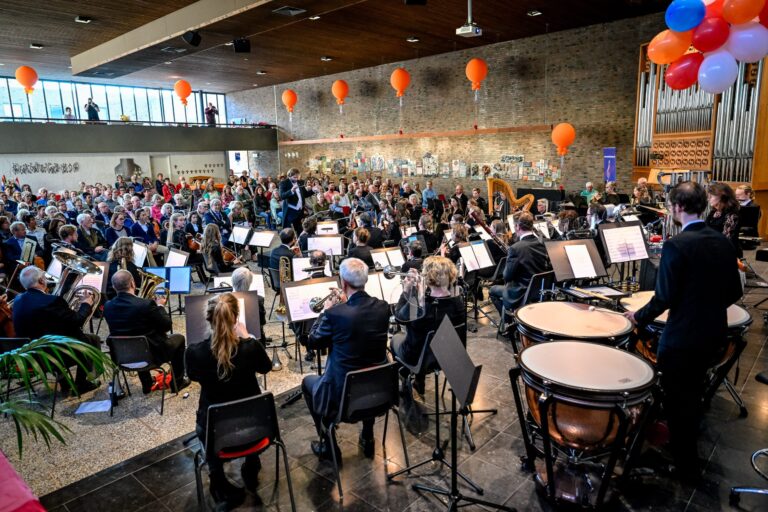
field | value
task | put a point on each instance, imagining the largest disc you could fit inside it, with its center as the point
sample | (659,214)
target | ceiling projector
(469,30)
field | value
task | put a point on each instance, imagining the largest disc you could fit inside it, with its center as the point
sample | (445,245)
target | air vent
(289,11)
(173,49)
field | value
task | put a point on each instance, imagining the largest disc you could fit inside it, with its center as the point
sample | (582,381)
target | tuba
(73,268)
(75,298)
(149,284)
(284,271)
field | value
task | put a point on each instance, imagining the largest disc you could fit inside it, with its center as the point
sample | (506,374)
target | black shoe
(322,450)
(226,495)
(309,356)
(250,473)
(419,386)
(368,446)
(84,387)
(762,377)
(185,382)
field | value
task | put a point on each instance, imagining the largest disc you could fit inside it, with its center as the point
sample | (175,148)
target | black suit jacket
(525,258)
(697,280)
(11,254)
(277,253)
(376,241)
(129,315)
(430,239)
(36,314)
(291,197)
(356,334)
(362,252)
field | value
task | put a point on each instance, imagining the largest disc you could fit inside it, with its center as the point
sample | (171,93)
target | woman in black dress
(724,213)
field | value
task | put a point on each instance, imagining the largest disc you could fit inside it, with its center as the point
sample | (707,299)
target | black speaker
(415,2)
(242,45)
(192,38)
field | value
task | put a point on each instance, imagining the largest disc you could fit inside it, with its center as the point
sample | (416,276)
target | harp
(497,185)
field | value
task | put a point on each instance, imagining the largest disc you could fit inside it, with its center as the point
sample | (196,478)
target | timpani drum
(739,320)
(552,321)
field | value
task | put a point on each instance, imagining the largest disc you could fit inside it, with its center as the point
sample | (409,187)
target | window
(129,104)
(68,98)
(6,110)
(155,108)
(167,99)
(142,108)
(53,100)
(83,92)
(114,102)
(19,103)
(100,99)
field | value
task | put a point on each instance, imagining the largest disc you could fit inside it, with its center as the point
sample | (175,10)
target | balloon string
(290,125)
(477,109)
(400,115)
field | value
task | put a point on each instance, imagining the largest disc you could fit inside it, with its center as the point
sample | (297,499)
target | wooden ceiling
(355,33)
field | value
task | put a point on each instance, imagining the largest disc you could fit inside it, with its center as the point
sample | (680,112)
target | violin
(194,242)
(229,256)
(6,318)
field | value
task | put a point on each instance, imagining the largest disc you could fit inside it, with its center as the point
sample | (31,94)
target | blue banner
(609,164)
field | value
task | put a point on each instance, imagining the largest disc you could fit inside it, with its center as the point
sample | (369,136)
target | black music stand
(260,239)
(197,326)
(561,265)
(463,376)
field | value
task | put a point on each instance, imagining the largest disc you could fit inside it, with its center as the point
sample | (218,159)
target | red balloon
(684,72)
(711,34)
(764,15)
(715,9)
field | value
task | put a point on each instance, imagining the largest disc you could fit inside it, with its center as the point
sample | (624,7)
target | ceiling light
(229,43)
(1,64)
(326,58)
(207,83)
(314,18)
(68,67)
(533,13)
(261,72)
(245,58)
(36,46)
(255,85)
(83,19)
(413,39)
(168,62)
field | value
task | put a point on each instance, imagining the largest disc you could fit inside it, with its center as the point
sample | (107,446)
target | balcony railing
(58,120)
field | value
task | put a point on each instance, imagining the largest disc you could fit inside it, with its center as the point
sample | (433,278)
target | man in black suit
(525,258)
(287,241)
(425,230)
(697,280)
(36,313)
(461,197)
(293,193)
(415,251)
(355,332)
(129,315)
(480,200)
(376,240)
(13,247)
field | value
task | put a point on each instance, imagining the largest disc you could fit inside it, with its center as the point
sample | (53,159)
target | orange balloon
(340,89)
(27,77)
(563,136)
(289,99)
(476,71)
(668,46)
(737,12)
(400,80)
(183,90)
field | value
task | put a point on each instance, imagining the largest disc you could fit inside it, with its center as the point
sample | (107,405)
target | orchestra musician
(694,263)
(129,315)
(13,248)
(361,250)
(226,365)
(287,248)
(36,314)
(724,213)
(68,238)
(439,275)
(426,226)
(194,225)
(241,282)
(461,197)
(415,253)
(375,235)
(294,195)
(525,258)
(213,253)
(121,254)
(500,205)
(355,331)
(144,230)
(309,228)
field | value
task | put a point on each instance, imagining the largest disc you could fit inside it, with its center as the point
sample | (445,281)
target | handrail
(109,122)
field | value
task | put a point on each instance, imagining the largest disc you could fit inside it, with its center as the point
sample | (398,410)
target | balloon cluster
(720,32)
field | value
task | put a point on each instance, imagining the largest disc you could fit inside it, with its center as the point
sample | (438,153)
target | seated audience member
(361,250)
(216,216)
(117,228)
(589,193)
(89,238)
(129,315)
(36,314)
(439,275)
(145,232)
(355,332)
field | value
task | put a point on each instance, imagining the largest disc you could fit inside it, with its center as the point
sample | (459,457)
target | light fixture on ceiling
(413,39)
(533,13)
(1,64)
(326,58)
(245,58)
(83,19)
(255,85)
(229,43)
(68,67)
(207,83)
(168,62)
(261,72)
(36,46)
(314,18)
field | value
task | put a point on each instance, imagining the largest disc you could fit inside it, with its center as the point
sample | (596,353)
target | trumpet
(390,272)
(316,304)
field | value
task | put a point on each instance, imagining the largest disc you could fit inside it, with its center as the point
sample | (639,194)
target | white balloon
(748,42)
(718,72)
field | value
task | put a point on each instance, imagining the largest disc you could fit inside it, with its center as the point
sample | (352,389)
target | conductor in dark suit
(525,258)
(293,193)
(697,280)
(36,313)
(355,332)
(129,315)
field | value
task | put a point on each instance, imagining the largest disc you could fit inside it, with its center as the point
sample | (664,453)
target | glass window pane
(18,100)
(83,93)
(193,109)
(53,100)
(155,110)
(222,108)
(113,100)
(37,102)
(168,98)
(182,114)
(67,95)
(5,101)
(129,107)
(142,110)
(100,99)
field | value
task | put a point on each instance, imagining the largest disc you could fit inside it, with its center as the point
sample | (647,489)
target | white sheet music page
(581,262)
(395,257)
(484,258)
(327,228)
(373,285)
(219,282)
(257,285)
(299,264)
(297,299)
(470,260)
(392,289)
(380,258)
(542,228)
(625,244)
(261,238)
(239,235)
(139,254)
(330,245)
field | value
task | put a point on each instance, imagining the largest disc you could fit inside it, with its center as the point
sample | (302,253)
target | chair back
(424,362)
(539,283)
(369,393)
(241,427)
(498,274)
(274,279)
(131,352)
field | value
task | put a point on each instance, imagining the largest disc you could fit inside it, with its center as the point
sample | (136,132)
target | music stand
(561,264)
(463,376)
(296,296)
(98,281)
(623,243)
(176,258)
(328,227)
(197,325)
(261,239)
(223,283)
(239,236)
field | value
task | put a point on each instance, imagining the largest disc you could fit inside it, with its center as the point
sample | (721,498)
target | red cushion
(258,447)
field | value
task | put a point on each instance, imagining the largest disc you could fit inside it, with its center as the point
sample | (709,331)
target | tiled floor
(163,478)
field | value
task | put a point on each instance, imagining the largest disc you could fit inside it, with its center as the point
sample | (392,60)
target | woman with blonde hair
(211,250)
(225,365)
(121,253)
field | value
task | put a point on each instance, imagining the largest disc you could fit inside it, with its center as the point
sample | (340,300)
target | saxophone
(284,270)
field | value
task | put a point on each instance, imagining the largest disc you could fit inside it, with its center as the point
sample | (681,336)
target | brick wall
(585,76)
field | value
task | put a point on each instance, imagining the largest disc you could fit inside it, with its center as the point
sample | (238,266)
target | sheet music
(391,289)
(261,238)
(581,263)
(239,235)
(241,312)
(380,258)
(470,260)
(297,299)
(409,230)
(139,254)
(327,228)
(395,257)
(484,235)
(98,281)
(511,222)
(331,245)
(28,250)
(179,279)
(625,244)
(484,259)
(373,285)
(54,269)
(542,228)
(630,218)
(176,258)
(257,285)
(448,235)
(556,225)
(299,264)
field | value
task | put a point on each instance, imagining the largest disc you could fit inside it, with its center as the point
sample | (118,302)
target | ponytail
(222,315)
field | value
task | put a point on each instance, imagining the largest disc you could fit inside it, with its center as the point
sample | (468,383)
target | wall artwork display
(430,164)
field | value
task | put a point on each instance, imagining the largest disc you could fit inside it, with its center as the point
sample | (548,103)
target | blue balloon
(684,15)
